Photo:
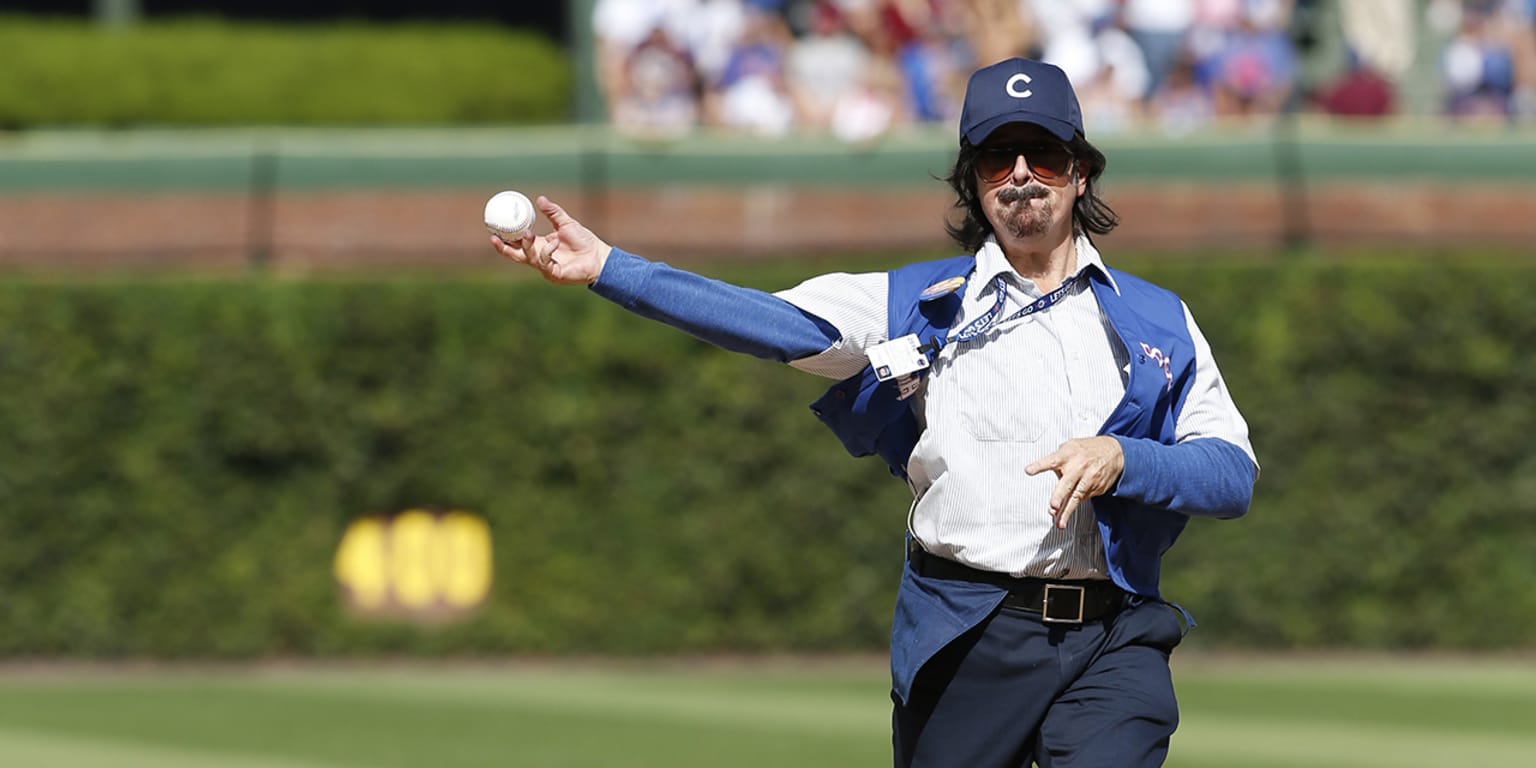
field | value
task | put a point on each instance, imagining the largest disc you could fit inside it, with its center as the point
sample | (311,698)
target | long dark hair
(1089,214)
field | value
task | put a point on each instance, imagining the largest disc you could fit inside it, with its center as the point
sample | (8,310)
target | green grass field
(1238,713)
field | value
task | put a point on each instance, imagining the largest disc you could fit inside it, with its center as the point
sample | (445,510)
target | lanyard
(985,323)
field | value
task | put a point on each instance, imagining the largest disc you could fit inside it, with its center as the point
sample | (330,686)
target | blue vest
(867,417)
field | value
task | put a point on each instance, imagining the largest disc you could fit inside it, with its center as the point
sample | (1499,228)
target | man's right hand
(570,255)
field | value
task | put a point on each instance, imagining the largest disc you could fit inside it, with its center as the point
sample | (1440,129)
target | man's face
(1027,182)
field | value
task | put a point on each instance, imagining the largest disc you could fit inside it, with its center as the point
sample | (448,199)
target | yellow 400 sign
(417,564)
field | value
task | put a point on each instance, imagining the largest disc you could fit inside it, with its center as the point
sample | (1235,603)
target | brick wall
(394,228)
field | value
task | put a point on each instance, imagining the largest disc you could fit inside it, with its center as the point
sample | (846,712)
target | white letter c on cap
(1013,91)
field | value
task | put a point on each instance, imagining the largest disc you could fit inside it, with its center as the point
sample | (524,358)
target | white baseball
(508,214)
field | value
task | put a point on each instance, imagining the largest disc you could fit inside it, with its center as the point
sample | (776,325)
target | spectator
(872,107)
(1378,41)
(659,96)
(620,26)
(1478,64)
(1215,21)
(932,65)
(1118,83)
(1361,91)
(828,63)
(919,38)
(1159,28)
(1255,70)
(1520,25)
(1182,105)
(1106,109)
(712,29)
(753,93)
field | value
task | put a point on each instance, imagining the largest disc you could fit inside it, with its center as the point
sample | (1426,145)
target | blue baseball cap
(1019,91)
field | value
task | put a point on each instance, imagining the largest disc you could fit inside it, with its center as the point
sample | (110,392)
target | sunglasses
(1049,163)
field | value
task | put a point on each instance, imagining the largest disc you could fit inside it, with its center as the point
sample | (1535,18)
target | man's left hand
(1086,467)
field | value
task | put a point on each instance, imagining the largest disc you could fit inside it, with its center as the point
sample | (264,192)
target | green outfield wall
(145,161)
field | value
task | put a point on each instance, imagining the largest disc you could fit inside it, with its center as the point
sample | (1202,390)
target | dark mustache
(1012,195)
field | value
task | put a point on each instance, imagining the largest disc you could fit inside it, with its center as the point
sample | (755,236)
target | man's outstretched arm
(729,316)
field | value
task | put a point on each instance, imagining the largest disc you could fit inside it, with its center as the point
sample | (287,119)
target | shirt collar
(991,262)
(1088,259)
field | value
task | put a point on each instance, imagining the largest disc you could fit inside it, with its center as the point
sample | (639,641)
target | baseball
(508,214)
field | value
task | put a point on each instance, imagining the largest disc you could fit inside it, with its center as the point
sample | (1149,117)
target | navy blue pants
(1015,690)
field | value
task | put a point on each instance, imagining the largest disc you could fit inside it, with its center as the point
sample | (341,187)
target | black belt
(1057,602)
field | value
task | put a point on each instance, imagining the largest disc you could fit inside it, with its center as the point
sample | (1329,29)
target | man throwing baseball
(1058,422)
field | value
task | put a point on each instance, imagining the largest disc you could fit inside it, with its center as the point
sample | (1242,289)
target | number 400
(415,561)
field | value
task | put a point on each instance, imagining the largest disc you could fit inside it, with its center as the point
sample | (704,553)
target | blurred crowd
(858,68)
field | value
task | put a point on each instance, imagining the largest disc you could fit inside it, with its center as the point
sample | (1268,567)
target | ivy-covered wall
(181,458)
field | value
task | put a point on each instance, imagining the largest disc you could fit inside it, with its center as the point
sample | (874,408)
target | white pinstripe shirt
(993,405)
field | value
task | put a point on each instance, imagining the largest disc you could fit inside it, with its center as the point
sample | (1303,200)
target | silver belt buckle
(1047,600)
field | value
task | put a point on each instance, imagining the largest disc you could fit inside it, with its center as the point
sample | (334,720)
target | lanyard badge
(902,359)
